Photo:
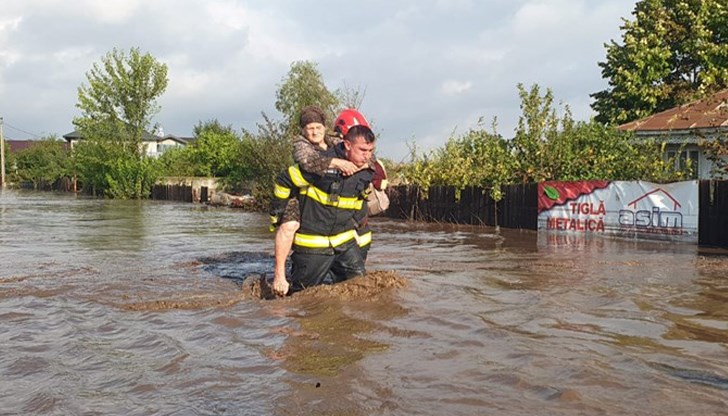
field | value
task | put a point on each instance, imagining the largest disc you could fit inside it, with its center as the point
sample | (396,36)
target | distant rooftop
(707,113)
(183,140)
(146,136)
(17,145)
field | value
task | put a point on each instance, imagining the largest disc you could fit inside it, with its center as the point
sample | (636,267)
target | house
(167,142)
(154,145)
(685,127)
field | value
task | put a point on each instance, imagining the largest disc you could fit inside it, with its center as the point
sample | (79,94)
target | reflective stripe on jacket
(332,205)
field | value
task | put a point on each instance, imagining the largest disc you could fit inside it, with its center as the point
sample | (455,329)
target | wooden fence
(183,193)
(518,208)
(713,216)
(185,188)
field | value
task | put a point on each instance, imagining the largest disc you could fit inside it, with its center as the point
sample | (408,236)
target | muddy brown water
(141,308)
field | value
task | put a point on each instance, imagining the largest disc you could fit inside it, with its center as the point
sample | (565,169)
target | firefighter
(309,152)
(332,208)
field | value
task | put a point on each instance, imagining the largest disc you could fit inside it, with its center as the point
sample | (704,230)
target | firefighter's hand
(280,286)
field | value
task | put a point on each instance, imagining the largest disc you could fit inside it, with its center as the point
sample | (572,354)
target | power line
(21,130)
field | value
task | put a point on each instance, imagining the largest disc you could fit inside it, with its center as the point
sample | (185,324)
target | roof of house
(17,145)
(708,113)
(179,139)
(146,136)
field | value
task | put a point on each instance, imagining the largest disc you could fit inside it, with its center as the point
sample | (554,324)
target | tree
(302,86)
(350,97)
(105,168)
(537,127)
(263,156)
(177,161)
(477,158)
(117,107)
(674,51)
(717,152)
(43,163)
(216,149)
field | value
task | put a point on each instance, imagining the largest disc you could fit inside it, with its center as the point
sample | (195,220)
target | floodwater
(140,308)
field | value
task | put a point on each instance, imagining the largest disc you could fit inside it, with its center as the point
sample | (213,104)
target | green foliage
(537,127)
(673,52)
(177,161)
(43,163)
(117,107)
(130,177)
(106,169)
(418,171)
(301,87)
(92,162)
(549,147)
(716,150)
(216,149)
(591,150)
(265,155)
(477,158)
(545,147)
(650,163)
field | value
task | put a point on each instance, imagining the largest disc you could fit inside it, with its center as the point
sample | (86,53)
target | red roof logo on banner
(676,204)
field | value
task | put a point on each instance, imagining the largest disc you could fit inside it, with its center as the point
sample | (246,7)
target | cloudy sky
(428,67)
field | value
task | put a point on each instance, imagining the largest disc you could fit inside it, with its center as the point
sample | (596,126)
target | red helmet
(347,119)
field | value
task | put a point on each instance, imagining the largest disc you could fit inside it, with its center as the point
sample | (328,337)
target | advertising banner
(637,209)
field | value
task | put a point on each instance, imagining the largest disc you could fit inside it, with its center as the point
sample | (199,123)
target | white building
(153,145)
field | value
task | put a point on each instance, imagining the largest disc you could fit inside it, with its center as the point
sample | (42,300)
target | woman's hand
(347,168)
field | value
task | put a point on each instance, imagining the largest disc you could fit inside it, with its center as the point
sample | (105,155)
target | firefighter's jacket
(332,206)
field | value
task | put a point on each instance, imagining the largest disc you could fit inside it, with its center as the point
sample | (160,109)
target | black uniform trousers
(311,267)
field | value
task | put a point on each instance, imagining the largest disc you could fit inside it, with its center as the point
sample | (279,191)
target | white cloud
(108,11)
(9,25)
(535,16)
(191,84)
(452,87)
(71,55)
(8,57)
(7,54)
(228,15)
(448,5)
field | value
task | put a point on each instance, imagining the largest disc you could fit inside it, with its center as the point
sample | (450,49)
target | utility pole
(2,155)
